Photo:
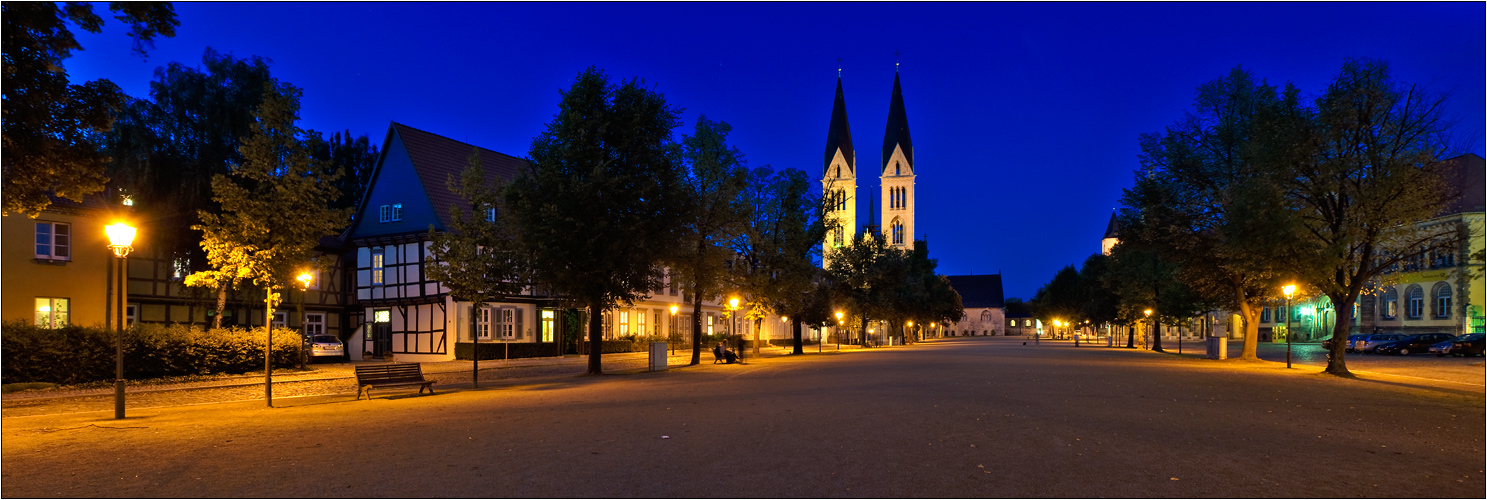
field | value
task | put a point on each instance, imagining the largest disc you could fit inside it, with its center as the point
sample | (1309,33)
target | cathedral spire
(839,135)
(897,133)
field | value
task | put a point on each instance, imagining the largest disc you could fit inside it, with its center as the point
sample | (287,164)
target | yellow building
(57,265)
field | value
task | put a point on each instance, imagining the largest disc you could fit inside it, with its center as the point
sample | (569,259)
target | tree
(856,281)
(1207,205)
(1359,172)
(1101,305)
(166,150)
(47,122)
(927,297)
(714,178)
(355,158)
(476,258)
(600,206)
(273,204)
(775,267)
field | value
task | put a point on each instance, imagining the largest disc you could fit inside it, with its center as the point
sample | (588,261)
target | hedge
(78,354)
(517,350)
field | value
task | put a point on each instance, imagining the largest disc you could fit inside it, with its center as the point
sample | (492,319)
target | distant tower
(1112,235)
(839,180)
(897,174)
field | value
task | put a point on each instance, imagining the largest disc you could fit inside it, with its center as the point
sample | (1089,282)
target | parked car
(1443,348)
(1327,342)
(326,346)
(1419,342)
(1373,341)
(1467,345)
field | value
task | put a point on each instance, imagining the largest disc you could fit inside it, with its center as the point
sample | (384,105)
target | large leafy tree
(48,123)
(1207,205)
(167,149)
(856,282)
(713,181)
(1359,170)
(600,207)
(477,258)
(776,266)
(274,204)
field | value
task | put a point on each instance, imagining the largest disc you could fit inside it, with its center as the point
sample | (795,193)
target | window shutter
(518,314)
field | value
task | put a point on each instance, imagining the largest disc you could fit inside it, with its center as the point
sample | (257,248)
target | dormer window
(397,212)
(384,213)
(490,214)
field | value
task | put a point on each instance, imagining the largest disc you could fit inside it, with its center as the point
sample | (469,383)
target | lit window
(126,200)
(52,312)
(547,325)
(131,314)
(397,211)
(709,323)
(377,267)
(180,268)
(640,323)
(1012,323)
(624,322)
(279,318)
(53,241)
(1391,304)
(384,213)
(314,324)
(1027,322)
(382,316)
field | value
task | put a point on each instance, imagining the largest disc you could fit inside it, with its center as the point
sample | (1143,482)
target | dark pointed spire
(839,135)
(897,133)
(1112,230)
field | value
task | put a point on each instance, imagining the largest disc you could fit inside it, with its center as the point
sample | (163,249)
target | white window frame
(52,243)
(397,212)
(506,323)
(624,323)
(483,323)
(490,214)
(281,319)
(52,312)
(314,324)
(640,322)
(548,321)
(383,212)
(709,323)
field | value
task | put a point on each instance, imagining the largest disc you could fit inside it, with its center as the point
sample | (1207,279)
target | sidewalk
(337,379)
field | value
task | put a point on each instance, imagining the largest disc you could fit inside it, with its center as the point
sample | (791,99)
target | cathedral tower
(839,180)
(897,175)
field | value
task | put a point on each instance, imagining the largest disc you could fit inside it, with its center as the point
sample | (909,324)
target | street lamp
(733,324)
(304,279)
(1151,331)
(673,330)
(838,330)
(120,240)
(911,326)
(1288,290)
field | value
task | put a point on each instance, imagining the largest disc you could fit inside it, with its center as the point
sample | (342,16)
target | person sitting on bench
(717,353)
(729,357)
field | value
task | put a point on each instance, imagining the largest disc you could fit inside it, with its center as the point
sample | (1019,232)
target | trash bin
(658,356)
(1218,348)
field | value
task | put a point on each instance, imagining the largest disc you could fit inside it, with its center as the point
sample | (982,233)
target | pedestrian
(717,352)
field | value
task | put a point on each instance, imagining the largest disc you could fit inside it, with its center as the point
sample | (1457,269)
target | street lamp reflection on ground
(1288,290)
(121,241)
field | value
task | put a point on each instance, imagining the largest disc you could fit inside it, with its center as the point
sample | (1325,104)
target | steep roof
(1113,229)
(839,135)
(1464,176)
(897,132)
(984,290)
(436,157)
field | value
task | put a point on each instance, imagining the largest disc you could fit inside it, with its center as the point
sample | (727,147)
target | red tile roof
(435,158)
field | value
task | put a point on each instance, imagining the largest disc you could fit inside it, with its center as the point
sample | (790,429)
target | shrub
(78,354)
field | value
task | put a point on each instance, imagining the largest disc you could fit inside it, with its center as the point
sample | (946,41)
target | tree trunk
(1131,337)
(1156,336)
(758,324)
(1250,317)
(221,306)
(596,338)
(795,330)
(696,328)
(1336,363)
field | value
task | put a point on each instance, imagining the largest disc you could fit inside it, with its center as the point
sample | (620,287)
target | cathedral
(895,176)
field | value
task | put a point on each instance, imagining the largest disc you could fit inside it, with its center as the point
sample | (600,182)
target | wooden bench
(390,375)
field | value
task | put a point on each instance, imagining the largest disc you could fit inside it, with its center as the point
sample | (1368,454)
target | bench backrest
(389,371)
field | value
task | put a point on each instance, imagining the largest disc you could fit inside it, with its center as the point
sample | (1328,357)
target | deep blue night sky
(1025,117)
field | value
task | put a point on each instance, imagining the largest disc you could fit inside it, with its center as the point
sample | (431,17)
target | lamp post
(1288,290)
(304,279)
(785,323)
(673,330)
(838,330)
(120,239)
(1148,327)
(910,326)
(733,325)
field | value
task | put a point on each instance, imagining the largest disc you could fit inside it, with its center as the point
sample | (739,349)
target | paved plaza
(964,417)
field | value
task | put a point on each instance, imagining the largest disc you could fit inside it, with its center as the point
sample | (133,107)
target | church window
(898,232)
(895,168)
(838,171)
